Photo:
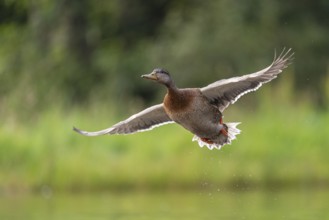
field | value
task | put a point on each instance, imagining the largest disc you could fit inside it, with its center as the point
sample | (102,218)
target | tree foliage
(73,50)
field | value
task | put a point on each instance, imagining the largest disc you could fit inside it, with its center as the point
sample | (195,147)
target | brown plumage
(198,110)
(178,100)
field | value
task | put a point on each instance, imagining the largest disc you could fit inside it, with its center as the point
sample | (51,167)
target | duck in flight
(198,110)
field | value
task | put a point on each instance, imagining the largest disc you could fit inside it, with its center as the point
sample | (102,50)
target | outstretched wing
(227,91)
(145,120)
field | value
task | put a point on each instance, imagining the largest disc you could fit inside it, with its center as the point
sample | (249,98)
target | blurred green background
(66,62)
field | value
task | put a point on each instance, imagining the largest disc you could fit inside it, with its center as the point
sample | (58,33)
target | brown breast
(179,100)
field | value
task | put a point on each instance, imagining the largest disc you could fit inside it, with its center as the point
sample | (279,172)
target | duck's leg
(206,140)
(224,129)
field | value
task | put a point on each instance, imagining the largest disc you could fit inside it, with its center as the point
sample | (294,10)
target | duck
(198,110)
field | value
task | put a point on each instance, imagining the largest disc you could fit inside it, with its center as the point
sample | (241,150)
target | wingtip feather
(86,133)
(79,131)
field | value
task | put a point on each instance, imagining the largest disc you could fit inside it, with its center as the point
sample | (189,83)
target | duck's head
(161,76)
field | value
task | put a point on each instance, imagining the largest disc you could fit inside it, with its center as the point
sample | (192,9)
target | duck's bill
(150,76)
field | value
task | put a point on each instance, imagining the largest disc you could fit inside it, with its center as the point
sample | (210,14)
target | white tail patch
(221,140)
(232,130)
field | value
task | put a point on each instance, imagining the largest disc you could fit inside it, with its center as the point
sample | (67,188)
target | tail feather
(221,139)
(232,130)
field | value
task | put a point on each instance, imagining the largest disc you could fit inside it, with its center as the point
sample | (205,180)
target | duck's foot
(224,132)
(226,135)
(206,140)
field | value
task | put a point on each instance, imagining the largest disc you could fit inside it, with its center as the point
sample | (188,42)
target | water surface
(216,204)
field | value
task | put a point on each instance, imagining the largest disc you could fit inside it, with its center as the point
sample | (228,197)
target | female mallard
(198,110)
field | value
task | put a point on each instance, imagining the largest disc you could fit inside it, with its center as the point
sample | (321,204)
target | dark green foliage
(74,49)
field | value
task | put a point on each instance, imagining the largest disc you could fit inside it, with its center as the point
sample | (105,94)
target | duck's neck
(171,88)
(177,100)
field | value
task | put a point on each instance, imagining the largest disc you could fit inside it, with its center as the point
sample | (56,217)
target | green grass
(282,146)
